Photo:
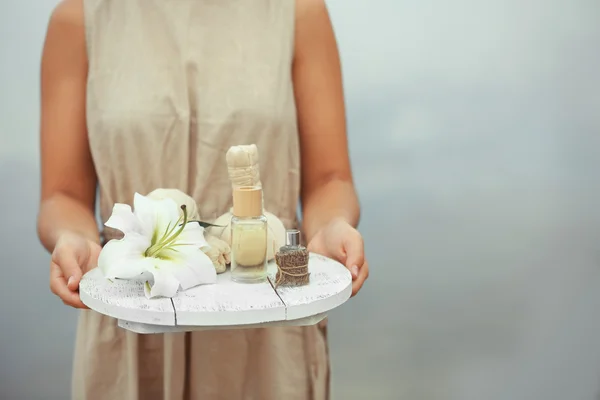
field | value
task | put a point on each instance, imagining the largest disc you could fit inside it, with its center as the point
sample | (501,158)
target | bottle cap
(292,237)
(247,201)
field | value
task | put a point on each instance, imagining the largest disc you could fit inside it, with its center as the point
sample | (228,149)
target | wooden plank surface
(228,303)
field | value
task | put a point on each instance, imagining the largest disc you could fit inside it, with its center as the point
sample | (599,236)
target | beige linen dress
(172,85)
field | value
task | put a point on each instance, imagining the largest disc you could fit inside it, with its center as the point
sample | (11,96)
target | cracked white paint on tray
(228,303)
(124,299)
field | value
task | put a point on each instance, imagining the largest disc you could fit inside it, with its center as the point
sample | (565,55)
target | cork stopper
(247,201)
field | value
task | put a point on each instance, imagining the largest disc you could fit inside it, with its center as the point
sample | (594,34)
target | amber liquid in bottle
(249,249)
(248,236)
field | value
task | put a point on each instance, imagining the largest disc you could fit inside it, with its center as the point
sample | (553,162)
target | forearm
(61,213)
(335,199)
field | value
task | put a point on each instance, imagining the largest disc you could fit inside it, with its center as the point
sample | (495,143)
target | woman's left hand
(340,241)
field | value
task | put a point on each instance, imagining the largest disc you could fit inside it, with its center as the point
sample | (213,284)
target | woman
(140,94)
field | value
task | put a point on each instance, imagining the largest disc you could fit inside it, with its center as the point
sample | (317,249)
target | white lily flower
(157,241)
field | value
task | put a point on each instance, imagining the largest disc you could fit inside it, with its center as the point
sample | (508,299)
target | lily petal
(193,268)
(124,258)
(144,210)
(167,214)
(178,197)
(123,219)
(156,215)
(193,234)
(165,284)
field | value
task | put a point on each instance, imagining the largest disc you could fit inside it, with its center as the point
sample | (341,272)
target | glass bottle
(292,261)
(292,241)
(248,236)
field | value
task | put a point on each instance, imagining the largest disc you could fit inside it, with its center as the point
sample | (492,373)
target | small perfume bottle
(248,236)
(292,261)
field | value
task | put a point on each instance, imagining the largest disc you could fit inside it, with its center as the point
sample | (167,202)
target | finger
(58,286)
(355,253)
(69,266)
(314,248)
(360,280)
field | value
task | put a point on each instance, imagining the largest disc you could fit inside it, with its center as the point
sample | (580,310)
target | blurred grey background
(474,130)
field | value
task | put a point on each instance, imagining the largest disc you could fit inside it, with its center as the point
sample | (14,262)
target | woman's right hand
(72,257)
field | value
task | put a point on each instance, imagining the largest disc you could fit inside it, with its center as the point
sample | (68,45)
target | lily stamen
(169,237)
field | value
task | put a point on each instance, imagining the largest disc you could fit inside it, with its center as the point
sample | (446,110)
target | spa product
(178,197)
(242,165)
(248,236)
(275,231)
(243,168)
(292,261)
(218,251)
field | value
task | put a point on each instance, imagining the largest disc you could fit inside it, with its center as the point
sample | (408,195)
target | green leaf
(206,224)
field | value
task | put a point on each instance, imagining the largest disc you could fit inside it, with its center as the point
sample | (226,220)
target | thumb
(314,247)
(355,252)
(93,258)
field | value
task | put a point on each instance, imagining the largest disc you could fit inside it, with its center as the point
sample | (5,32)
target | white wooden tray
(224,305)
